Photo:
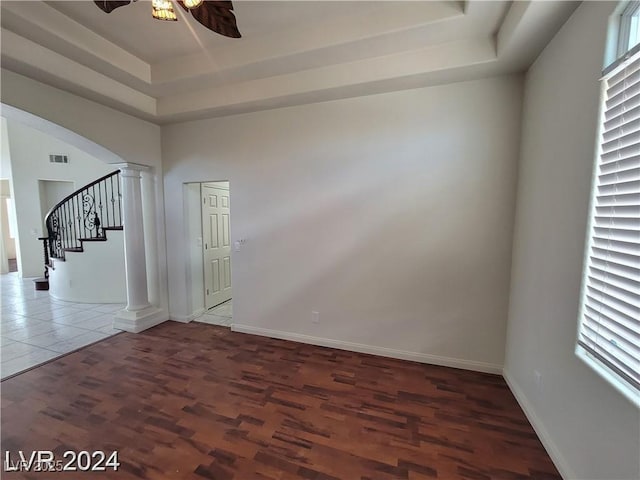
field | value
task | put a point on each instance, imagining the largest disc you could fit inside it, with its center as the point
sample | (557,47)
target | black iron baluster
(53,234)
(106,199)
(63,230)
(94,207)
(46,257)
(72,241)
(52,239)
(100,208)
(73,219)
(119,201)
(74,238)
(77,201)
(63,226)
(60,232)
(56,230)
(43,284)
(60,229)
(83,220)
(78,215)
(113,203)
(66,222)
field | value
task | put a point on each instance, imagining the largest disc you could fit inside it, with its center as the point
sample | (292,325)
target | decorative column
(139,314)
(149,211)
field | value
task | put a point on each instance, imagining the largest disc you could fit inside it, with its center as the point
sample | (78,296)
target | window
(629,30)
(609,328)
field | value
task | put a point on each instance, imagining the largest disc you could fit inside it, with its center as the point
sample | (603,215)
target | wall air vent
(58,158)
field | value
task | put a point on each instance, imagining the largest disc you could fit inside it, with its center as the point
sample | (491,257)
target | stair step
(93,239)
(73,249)
(41,283)
(112,228)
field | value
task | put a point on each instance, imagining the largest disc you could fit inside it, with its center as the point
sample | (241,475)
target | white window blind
(610,310)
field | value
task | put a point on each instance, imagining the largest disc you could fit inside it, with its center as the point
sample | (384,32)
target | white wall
(93,276)
(30,151)
(590,430)
(8,246)
(5,154)
(391,215)
(51,193)
(120,137)
(5,222)
(7,242)
(127,138)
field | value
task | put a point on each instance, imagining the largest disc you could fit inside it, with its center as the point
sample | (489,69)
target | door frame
(193,239)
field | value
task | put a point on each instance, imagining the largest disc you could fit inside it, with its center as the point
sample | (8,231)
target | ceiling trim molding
(47,23)
(17,50)
(385,47)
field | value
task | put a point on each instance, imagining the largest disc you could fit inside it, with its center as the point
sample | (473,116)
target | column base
(139,320)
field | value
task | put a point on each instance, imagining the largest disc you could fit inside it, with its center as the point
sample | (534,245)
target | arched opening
(42,163)
(45,165)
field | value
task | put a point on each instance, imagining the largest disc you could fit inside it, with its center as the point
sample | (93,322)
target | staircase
(84,216)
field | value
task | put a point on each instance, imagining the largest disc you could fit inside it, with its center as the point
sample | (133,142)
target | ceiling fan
(215,15)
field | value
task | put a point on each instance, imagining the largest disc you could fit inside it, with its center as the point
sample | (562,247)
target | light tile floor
(220,315)
(35,328)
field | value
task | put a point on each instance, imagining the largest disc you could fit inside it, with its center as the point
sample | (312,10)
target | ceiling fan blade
(110,5)
(217,16)
(181,3)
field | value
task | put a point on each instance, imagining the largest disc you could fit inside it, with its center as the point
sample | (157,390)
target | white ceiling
(290,52)
(153,41)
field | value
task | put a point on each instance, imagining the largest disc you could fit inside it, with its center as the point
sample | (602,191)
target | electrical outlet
(315,317)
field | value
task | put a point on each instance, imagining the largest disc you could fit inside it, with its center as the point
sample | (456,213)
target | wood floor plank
(198,401)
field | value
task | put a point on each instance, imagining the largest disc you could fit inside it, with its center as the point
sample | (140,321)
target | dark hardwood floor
(198,401)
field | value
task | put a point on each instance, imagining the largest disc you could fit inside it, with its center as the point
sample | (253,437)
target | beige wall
(391,215)
(591,430)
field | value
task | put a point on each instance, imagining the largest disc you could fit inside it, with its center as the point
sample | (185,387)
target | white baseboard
(549,445)
(186,318)
(370,349)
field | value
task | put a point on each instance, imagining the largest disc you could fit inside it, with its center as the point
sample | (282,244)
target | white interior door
(216,243)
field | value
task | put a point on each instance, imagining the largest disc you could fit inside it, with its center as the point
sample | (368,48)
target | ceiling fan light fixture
(217,15)
(192,3)
(163,10)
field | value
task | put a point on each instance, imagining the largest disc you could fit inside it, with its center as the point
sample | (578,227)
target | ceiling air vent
(58,158)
